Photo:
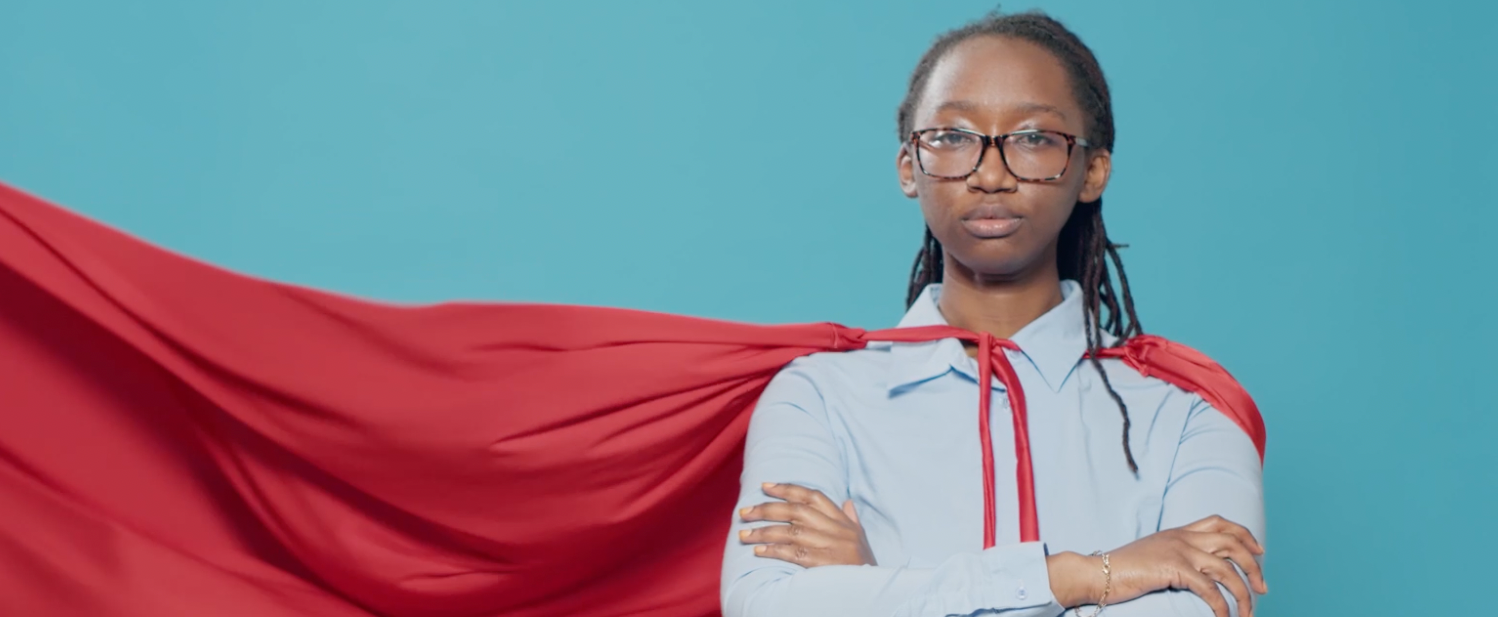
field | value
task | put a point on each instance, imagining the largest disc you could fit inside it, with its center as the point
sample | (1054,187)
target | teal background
(1308,189)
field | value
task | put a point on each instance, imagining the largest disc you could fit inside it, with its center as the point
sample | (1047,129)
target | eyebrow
(1029,108)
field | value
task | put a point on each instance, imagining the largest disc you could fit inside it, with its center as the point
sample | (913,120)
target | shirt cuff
(1011,579)
(1019,575)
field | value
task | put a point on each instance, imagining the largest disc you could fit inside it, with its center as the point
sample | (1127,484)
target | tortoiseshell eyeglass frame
(1072,141)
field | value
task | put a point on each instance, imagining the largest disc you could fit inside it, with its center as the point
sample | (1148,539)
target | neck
(1001,307)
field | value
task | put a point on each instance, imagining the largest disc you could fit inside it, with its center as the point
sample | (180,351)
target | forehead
(998,76)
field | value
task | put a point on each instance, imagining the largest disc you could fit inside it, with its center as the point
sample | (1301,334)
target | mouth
(991,222)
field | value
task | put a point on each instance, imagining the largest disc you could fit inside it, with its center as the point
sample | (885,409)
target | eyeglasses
(1031,155)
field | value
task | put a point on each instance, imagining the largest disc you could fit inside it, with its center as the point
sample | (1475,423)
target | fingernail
(743,534)
(768,485)
(759,549)
(743,511)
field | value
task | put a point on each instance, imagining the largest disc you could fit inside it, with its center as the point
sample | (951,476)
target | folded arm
(791,441)
(1202,561)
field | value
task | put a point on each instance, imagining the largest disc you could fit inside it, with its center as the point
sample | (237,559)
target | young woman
(283,452)
(860,486)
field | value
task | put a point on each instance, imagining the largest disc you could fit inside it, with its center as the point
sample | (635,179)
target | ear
(1099,168)
(905,167)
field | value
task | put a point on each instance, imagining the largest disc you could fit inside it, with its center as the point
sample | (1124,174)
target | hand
(817,533)
(1195,557)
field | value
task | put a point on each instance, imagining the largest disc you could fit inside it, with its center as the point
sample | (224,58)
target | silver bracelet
(1102,602)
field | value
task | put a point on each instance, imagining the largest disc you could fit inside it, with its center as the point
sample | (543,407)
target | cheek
(1054,204)
(1057,207)
(937,199)
(1056,219)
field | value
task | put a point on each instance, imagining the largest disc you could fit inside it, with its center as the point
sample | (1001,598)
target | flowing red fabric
(176,439)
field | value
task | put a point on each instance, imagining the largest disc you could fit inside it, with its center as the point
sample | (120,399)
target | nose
(992,175)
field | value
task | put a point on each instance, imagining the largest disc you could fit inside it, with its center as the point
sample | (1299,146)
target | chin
(999,259)
(996,268)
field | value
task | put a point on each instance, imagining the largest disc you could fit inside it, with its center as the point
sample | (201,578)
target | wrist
(1075,579)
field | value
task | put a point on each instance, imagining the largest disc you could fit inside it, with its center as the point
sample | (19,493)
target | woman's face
(991,224)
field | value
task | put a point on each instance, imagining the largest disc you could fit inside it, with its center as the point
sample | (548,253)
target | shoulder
(1153,362)
(805,398)
(1133,371)
(1136,388)
(837,369)
(812,379)
(861,364)
(1151,359)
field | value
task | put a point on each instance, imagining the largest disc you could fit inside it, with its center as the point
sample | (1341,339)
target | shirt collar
(1054,343)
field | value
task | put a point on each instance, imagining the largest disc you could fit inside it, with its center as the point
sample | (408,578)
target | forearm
(1078,581)
(1167,603)
(1011,581)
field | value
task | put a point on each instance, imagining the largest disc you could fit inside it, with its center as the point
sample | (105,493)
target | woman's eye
(1037,140)
(950,140)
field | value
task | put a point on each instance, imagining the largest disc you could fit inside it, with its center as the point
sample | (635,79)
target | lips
(992,228)
(989,222)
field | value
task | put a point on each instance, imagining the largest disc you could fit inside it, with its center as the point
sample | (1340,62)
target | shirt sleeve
(791,441)
(1217,470)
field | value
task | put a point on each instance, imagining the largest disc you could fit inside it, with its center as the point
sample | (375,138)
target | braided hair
(1083,250)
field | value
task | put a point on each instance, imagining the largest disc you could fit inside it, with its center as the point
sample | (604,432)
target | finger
(796,493)
(1206,589)
(1223,572)
(798,555)
(777,511)
(785,534)
(1217,524)
(1230,548)
(851,512)
(799,514)
(1242,534)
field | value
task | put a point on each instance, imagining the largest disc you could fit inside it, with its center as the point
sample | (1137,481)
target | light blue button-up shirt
(894,428)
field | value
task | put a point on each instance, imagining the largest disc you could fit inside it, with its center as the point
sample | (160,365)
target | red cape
(176,439)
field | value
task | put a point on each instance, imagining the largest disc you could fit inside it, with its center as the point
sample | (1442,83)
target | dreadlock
(1083,250)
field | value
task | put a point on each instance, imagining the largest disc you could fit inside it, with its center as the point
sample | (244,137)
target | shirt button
(1021,593)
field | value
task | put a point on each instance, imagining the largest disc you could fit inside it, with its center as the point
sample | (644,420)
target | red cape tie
(992,361)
